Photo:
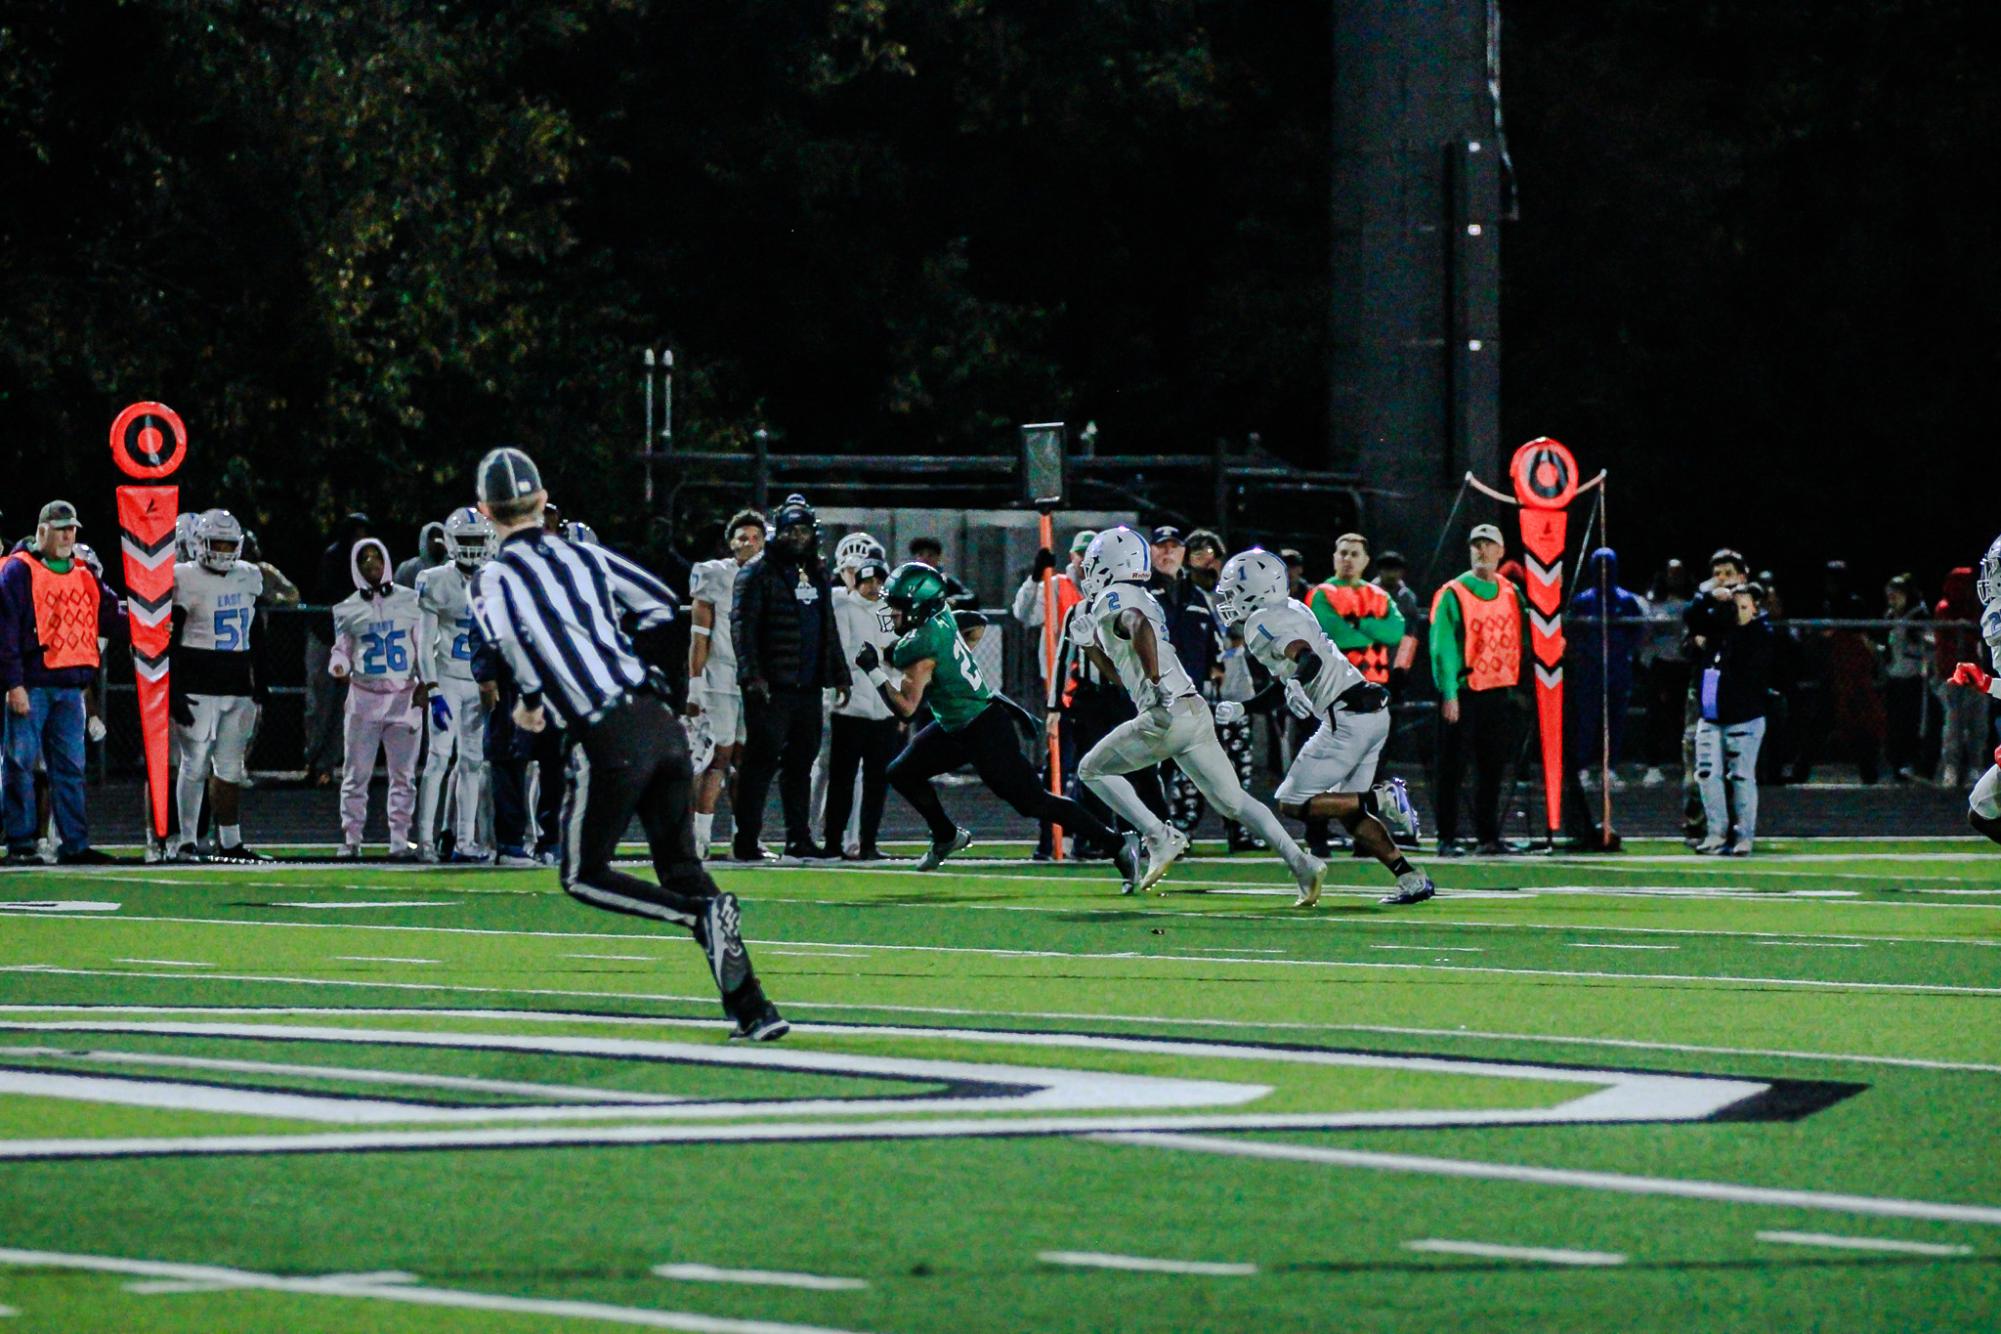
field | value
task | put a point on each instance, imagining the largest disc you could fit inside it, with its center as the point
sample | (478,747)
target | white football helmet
(1115,556)
(1251,581)
(213,530)
(469,538)
(1988,586)
(184,535)
(856,548)
(576,530)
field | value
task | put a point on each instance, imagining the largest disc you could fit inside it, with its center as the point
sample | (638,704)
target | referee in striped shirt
(553,609)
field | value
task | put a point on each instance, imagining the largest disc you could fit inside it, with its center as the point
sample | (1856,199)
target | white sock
(232,835)
(188,793)
(704,826)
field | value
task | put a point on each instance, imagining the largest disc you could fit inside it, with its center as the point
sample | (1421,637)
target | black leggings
(989,744)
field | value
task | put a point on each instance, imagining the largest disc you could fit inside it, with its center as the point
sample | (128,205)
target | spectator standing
(53,609)
(932,552)
(1732,687)
(866,735)
(1295,573)
(787,650)
(1362,620)
(1963,749)
(712,685)
(1606,626)
(430,555)
(376,632)
(1664,659)
(1476,659)
(279,591)
(323,714)
(1707,619)
(1907,652)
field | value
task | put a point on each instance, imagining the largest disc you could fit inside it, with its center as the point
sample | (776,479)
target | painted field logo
(298,1080)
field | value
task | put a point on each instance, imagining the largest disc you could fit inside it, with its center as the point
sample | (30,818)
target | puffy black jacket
(782,624)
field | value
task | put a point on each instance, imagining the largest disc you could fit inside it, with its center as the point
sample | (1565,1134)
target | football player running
(217,683)
(715,701)
(458,704)
(970,723)
(1984,806)
(1124,631)
(1331,776)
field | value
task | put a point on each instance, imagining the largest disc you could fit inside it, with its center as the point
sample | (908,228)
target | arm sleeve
(1386,629)
(1445,655)
(496,613)
(833,662)
(487,664)
(1028,602)
(746,607)
(13,616)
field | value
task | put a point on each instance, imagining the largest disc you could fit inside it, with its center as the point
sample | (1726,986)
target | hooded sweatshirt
(407,572)
(375,637)
(1595,646)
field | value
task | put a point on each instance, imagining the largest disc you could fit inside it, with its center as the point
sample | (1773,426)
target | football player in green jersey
(971,723)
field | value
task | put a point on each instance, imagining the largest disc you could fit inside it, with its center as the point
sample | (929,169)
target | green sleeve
(1322,607)
(1386,629)
(1446,659)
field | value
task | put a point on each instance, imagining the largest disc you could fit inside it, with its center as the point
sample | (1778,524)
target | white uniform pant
(462,738)
(1340,756)
(1726,773)
(379,722)
(217,739)
(1189,739)
(1986,798)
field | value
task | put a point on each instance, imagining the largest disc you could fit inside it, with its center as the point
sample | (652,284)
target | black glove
(1045,560)
(182,711)
(868,658)
(1363,697)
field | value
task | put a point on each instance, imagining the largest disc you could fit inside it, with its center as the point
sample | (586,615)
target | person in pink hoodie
(375,651)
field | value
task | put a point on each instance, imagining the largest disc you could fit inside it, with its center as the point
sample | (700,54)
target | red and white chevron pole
(1545,478)
(148,443)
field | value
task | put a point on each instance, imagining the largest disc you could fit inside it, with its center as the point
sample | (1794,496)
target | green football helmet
(916,590)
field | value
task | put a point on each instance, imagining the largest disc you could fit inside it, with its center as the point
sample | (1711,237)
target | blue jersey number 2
(462,642)
(382,654)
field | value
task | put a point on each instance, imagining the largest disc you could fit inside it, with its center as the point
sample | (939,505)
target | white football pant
(464,737)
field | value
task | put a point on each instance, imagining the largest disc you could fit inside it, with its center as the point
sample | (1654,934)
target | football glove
(1970,674)
(441,712)
(180,708)
(1229,713)
(93,727)
(868,658)
(1298,701)
(1045,561)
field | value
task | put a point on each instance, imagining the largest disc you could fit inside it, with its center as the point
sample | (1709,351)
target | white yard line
(1813,944)
(1435,949)
(762,1278)
(1141,1264)
(342,906)
(1539,1254)
(167,963)
(380,958)
(1616,1182)
(338,1285)
(622,958)
(1844,1243)
(817,954)
(1604,945)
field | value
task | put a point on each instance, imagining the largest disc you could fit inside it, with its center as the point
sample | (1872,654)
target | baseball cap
(60,514)
(1167,532)
(1082,540)
(1488,531)
(507,474)
(871,569)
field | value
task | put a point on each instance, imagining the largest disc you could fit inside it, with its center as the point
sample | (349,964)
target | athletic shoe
(514,859)
(1161,855)
(871,853)
(1495,847)
(85,857)
(721,921)
(767,1025)
(405,854)
(1393,804)
(242,854)
(22,857)
(187,852)
(1451,847)
(1412,887)
(547,855)
(938,852)
(349,852)
(1738,848)
(427,854)
(1309,888)
(474,856)
(1709,847)
(757,852)
(809,852)
(1130,861)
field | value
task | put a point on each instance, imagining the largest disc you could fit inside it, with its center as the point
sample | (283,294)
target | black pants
(870,743)
(634,761)
(782,738)
(1484,735)
(988,743)
(511,761)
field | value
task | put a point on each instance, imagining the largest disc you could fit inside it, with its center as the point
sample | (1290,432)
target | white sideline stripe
(1629,1044)
(1813,944)
(1141,1264)
(331,906)
(818,954)
(353,1074)
(379,958)
(1435,949)
(1542,1254)
(168,963)
(622,958)
(173,1287)
(346,1286)
(1862,1243)
(1605,945)
(57,905)
(1620,1183)
(764,1278)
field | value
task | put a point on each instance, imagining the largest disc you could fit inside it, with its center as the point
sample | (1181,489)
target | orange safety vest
(65,614)
(1493,643)
(1364,600)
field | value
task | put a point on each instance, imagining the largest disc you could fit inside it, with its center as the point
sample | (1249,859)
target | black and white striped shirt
(553,608)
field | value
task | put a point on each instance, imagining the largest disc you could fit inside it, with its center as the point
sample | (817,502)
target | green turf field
(1657,1092)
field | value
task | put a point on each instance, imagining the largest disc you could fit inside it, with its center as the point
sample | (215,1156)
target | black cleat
(242,854)
(809,852)
(767,1025)
(755,852)
(84,857)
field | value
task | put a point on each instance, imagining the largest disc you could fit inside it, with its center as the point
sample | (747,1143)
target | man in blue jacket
(53,610)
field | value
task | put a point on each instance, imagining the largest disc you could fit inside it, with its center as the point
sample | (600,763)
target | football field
(1651,1092)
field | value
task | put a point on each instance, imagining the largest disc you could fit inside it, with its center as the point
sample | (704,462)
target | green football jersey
(957,692)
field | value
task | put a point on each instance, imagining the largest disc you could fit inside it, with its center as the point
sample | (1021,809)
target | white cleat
(1309,888)
(938,852)
(1160,855)
(1394,808)
(1412,887)
(427,854)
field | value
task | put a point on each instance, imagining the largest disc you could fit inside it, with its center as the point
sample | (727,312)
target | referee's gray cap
(507,474)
